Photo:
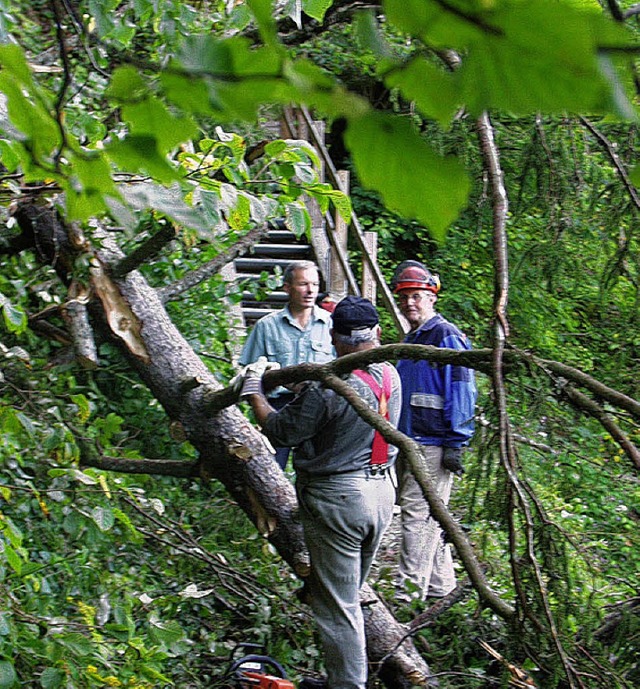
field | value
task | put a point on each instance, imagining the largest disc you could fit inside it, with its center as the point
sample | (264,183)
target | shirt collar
(317,315)
(426,326)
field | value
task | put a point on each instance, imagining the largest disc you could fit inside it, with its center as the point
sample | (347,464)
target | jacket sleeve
(460,396)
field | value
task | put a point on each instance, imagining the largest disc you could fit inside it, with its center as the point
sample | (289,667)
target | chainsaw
(256,670)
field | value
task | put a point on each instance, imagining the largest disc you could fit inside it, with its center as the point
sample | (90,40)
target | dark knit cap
(353,315)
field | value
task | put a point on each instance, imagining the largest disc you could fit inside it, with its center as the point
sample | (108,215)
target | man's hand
(249,379)
(452,460)
(251,385)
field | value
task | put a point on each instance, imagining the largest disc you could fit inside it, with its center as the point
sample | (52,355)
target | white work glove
(249,379)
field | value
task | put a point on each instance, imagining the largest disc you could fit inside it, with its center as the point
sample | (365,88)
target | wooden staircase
(326,246)
(278,249)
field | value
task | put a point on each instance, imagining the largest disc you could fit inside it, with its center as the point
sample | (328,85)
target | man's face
(416,305)
(303,289)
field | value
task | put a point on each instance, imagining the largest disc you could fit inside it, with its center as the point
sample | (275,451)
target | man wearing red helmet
(438,404)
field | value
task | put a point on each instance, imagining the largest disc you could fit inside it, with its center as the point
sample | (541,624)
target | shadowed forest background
(145,530)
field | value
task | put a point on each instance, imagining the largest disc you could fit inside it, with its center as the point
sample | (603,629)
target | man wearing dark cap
(344,485)
(438,404)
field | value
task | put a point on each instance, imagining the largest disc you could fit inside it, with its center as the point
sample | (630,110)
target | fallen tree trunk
(129,312)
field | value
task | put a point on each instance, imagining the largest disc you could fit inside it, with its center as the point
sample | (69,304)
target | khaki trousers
(425,559)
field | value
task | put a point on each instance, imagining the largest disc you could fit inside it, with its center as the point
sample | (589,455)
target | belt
(373,471)
(376,471)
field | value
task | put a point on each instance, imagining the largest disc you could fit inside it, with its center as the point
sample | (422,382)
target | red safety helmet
(414,275)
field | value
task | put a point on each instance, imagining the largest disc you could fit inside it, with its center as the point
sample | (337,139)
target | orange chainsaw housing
(259,679)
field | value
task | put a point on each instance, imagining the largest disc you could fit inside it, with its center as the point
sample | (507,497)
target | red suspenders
(380,447)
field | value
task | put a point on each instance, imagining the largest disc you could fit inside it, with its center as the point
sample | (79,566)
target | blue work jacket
(438,401)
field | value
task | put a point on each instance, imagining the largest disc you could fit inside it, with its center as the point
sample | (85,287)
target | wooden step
(252,315)
(271,297)
(284,251)
(257,265)
(284,237)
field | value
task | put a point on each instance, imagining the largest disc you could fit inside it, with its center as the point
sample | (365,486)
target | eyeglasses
(417,297)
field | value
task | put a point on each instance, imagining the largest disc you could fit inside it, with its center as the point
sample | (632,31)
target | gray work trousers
(425,559)
(344,517)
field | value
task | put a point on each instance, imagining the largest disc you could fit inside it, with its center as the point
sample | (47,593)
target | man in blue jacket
(438,404)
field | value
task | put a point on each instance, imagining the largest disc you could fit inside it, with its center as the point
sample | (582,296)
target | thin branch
(632,11)
(478,359)
(413,453)
(212,267)
(66,80)
(583,402)
(147,250)
(158,467)
(615,10)
(508,453)
(614,397)
(472,19)
(615,159)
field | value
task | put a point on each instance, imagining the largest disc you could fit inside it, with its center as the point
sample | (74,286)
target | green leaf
(240,214)
(13,60)
(151,118)
(167,633)
(166,200)
(307,77)
(8,677)
(316,9)
(90,181)
(434,91)
(76,643)
(141,154)
(5,625)
(124,519)
(84,408)
(233,57)
(191,95)
(9,155)
(231,78)
(275,148)
(103,517)
(153,674)
(263,12)
(127,85)
(52,678)
(503,68)
(297,219)
(26,105)
(103,16)
(412,179)
(14,560)
(368,33)
(342,204)
(15,319)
